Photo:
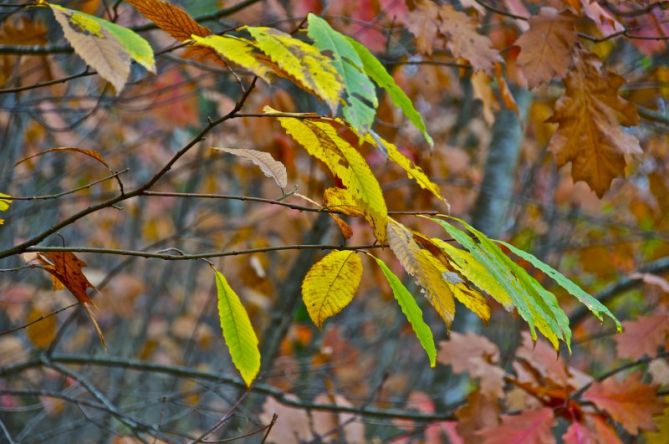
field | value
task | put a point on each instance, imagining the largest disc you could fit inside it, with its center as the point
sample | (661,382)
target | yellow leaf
(467,265)
(330,284)
(5,202)
(590,115)
(303,63)
(339,199)
(421,264)
(237,50)
(413,171)
(321,141)
(42,332)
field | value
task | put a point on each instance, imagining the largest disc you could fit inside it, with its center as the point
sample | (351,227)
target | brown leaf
(423,24)
(477,356)
(546,48)
(643,336)
(478,413)
(590,115)
(464,41)
(170,18)
(529,427)
(630,402)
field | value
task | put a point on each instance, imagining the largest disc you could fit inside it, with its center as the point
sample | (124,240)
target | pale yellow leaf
(270,167)
(237,50)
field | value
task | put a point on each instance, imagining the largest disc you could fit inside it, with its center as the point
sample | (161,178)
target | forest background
(142,150)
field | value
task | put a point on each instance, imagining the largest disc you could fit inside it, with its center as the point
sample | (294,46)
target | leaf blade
(270,167)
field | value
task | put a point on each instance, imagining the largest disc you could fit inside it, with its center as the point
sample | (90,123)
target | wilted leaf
(546,48)
(330,285)
(417,262)
(643,336)
(303,63)
(477,356)
(105,46)
(270,167)
(412,312)
(361,102)
(321,141)
(630,402)
(589,117)
(237,330)
(528,427)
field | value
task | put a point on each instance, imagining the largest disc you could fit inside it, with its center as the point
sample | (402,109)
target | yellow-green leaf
(5,202)
(412,312)
(237,330)
(420,264)
(413,171)
(303,63)
(330,284)
(237,50)
(321,141)
(105,46)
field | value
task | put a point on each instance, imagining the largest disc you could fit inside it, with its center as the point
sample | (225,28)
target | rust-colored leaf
(590,116)
(528,427)
(170,18)
(643,336)
(630,402)
(546,48)
(478,413)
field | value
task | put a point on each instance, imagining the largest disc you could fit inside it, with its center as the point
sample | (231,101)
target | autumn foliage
(307,221)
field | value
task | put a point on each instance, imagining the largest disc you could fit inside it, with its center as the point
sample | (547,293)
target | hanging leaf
(412,312)
(596,307)
(378,73)
(303,63)
(360,94)
(535,304)
(65,267)
(105,46)
(330,285)
(237,50)
(589,117)
(420,264)
(321,141)
(546,47)
(270,167)
(5,202)
(237,330)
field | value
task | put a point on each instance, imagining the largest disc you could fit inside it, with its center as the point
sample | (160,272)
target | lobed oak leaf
(478,413)
(578,433)
(423,23)
(528,427)
(546,48)
(477,356)
(464,41)
(643,336)
(589,117)
(630,402)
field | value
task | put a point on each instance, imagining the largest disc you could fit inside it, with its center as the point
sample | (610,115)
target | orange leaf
(546,48)
(170,18)
(643,336)
(529,427)
(630,402)
(590,115)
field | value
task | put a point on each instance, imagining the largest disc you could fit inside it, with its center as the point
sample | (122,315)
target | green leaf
(537,306)
(596,307)
(238,332)
(361,102)
(377,72)
(412,312)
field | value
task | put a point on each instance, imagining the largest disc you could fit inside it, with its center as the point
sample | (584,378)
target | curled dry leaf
(270,167)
